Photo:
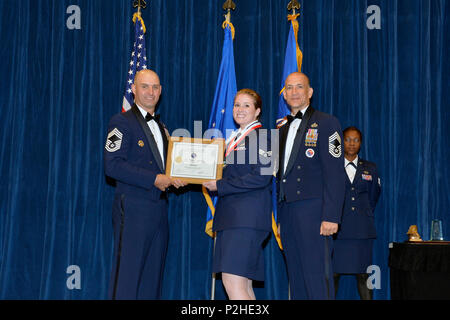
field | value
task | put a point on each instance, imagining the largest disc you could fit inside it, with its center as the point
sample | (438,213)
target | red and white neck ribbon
(232,142)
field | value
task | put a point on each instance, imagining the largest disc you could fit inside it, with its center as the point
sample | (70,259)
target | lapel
(359,171)
(283,136)
(150,138)
(164,138)
(298,139)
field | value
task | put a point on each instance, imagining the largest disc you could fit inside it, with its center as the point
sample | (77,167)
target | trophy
(413,234)
(436,231)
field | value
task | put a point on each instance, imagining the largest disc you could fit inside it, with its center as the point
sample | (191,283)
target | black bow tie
(351,164)
(291,118)
(149,117)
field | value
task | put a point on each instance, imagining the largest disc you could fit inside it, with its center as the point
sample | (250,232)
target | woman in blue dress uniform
(243,212)
(354,241)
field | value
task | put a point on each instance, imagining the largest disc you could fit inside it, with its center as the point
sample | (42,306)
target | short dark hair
(256,98)
(353,128)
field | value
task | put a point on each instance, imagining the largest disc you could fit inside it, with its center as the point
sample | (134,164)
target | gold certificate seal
(179,159)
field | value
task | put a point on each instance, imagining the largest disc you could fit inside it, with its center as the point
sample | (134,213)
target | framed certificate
(195,160)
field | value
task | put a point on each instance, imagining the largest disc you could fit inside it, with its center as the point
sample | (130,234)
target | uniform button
(299,167)
(298,192)
(151,162)
(298,180)
(284,180)
(353,188)
(353,198)
(353,208)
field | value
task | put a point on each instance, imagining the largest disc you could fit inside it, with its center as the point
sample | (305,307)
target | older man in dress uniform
(311,186)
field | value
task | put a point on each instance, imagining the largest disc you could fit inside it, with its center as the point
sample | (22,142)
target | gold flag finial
(228,5)
(292,5)
(139,4)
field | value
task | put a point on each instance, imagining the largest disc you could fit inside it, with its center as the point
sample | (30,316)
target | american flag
(138,60)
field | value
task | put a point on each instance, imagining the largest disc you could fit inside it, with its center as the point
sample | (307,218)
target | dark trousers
(307,253)
(361,282)
(140,245)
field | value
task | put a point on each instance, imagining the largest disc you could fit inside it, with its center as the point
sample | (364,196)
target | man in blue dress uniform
(353,245)
(134,156)
(310,187)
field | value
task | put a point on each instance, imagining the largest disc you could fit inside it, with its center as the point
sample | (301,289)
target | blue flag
(138,60)
(222,109)
(292,63)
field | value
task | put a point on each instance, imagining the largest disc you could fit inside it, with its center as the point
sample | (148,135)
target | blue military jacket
(314,170)
(361,197)
(245,188)
(131,155)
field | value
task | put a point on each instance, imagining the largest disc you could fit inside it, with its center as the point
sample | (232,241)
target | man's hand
(328,228)
(162,182)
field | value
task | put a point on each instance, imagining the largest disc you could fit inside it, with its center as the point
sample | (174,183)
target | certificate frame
(178,169)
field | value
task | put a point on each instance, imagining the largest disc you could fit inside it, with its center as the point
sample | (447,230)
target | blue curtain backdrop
(59,87)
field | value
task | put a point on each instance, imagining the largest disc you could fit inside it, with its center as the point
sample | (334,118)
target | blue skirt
(352,256)
(239,251)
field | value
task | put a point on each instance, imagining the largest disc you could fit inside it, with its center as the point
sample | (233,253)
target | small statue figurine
(413,234)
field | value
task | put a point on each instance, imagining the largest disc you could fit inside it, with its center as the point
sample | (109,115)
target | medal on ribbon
(232,145)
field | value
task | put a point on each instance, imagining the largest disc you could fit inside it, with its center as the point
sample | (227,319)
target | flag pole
(292,5)
(228,6)
(213,281)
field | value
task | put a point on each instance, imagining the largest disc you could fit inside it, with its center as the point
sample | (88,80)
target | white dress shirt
(351,170)
(154,128)
(291,138)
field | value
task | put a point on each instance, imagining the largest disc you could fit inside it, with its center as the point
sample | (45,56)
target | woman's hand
(210,185)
